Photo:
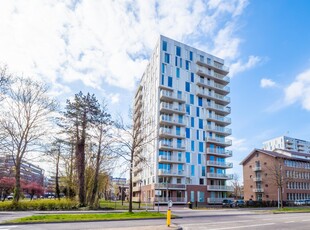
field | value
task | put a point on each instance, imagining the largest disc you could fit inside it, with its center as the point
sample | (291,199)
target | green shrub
(39,205)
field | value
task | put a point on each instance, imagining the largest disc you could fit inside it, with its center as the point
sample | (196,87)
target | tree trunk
(80,161)
(17,189)
(95,187)
(130,182)
(57,190)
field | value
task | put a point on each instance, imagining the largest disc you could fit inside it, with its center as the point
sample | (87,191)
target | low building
(265,173)
(28,171)
(287,143)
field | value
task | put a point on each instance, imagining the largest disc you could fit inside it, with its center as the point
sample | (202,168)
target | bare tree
(102,145)
(236,186)
(55,152)
(276,176)
(5,80)
(24,121)
(131,142)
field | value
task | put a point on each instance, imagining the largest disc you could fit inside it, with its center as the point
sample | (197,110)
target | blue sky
(104,46)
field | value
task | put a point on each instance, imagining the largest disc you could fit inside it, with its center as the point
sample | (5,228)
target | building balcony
(170,108)
(220,164)
(217,200)
(218,141)
(257,168)
(165,120)
(258,190)
(170,96)
(257,179)
(164,172)
(220,188)
(219,119)
(219,152)
(220,176)
(218,98)
(171,159)
(175,200)
(138,106)
(171,146)
(203,72)
(220,130)
(218,67)
(165,132)
(169,186)
(223,110)
(219,88)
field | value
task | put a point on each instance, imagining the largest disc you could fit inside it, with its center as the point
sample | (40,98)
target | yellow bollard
(168,217)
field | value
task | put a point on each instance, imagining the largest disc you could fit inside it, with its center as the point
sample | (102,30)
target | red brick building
(266,172)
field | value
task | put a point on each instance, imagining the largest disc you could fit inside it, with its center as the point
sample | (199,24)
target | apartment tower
(182,102)
(287,143)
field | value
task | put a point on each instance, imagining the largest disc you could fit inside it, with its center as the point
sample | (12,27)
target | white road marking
(305,220)
(7,227)
(292,221)
(216,223)
(244,226)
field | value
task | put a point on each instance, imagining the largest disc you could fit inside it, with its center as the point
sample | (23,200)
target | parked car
(10,197)
(239,203)
(299,202)
(227,203)
(307,202)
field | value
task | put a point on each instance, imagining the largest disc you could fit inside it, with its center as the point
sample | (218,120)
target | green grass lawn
(292,209)
(86,217)
(117,205)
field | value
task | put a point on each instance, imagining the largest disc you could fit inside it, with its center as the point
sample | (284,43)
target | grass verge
(86,217)
(292,209)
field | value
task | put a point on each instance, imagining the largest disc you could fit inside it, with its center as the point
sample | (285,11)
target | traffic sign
(169,203)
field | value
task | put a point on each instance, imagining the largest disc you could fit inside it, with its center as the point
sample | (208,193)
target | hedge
(39,205)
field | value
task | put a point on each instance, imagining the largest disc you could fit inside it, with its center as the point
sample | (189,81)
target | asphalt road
(193,219)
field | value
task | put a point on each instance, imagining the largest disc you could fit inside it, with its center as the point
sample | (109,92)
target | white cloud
(299,90)
(267,83)
(240,66)
(98,42)
(114,98)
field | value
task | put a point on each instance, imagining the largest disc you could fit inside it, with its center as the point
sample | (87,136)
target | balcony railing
(220,176)
(211,74)
(172,108)
(219,108)
(216,86)
(258,190)
(214,65)
(222,119)
(170,145)
(214,96)
(220,164)
(171,120)
(165,94)
(165,172)
(219,152)
(257,168)
(220,188)
(219,129)
(256,179)
(170,132)
(170,159)
(170,186)
(219,141)
(166,199)
(217,200)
